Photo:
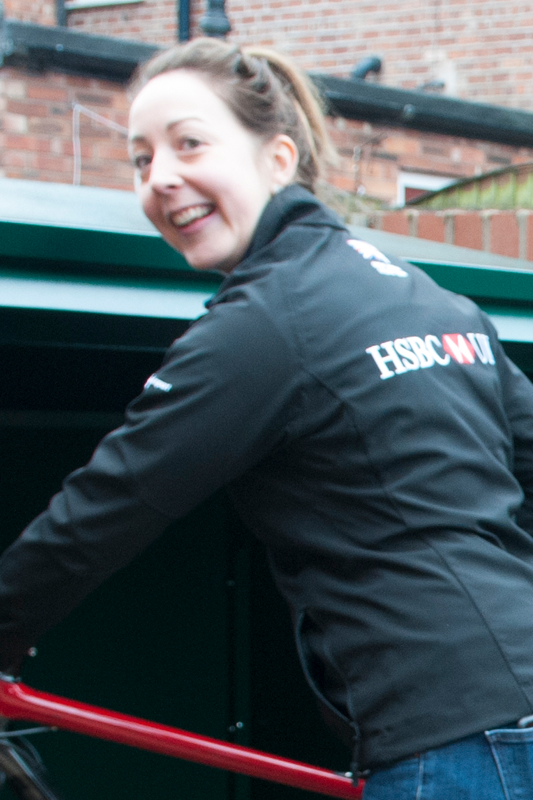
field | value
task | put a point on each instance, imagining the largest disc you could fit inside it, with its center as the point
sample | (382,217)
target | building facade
(70,127)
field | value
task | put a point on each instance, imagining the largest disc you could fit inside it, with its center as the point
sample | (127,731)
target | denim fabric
(495,765)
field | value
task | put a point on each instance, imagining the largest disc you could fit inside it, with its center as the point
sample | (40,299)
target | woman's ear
(283,162)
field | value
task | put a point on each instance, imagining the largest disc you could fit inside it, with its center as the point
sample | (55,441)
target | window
(413,184)
(72,5)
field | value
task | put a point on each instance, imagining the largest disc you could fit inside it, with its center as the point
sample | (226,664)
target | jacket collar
(294,203)
(290,204)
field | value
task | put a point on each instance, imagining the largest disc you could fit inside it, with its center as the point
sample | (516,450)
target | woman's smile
(184,218)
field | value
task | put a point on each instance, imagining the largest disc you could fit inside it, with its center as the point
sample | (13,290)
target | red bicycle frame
(18,701)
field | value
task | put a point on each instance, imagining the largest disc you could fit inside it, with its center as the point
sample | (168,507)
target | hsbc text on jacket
(414,352)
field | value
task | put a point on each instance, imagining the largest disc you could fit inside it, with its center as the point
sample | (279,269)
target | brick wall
(36,116)
(506,233)
(481,49)
(36,136)
(41,12)
(152,21)
(372,157)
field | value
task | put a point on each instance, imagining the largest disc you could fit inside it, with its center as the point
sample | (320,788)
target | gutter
(384,105)
(42,48)
(36,47)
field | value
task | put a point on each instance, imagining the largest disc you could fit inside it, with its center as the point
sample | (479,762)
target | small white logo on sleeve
(157,383)
(389,269)
(377,259)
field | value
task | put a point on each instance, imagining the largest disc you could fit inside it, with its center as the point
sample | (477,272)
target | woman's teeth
(190,214)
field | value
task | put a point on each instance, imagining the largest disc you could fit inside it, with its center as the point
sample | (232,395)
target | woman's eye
(141,161)
(189,143)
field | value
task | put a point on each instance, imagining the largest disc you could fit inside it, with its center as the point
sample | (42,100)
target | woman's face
(203,179)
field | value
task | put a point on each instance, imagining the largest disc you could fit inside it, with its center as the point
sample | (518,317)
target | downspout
(184,20)
(61,13)
(215,21)
(366,65)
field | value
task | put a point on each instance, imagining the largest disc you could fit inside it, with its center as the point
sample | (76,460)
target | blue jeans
(495,765)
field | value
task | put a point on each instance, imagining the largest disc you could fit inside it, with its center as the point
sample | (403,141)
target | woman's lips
(186,216)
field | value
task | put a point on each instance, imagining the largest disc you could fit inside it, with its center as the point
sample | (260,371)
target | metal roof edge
(81,225)
(89,247)
(66,205)
(471,180)
(67,231)
(414,249)
(483,282)
(386,105)
(171,299)
(41,47)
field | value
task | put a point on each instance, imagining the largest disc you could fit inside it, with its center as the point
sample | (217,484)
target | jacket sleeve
(219,403)
(518,401)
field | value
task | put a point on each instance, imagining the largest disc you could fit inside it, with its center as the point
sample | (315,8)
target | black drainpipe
(366,65)
(61,13)
(184,20)
(215,22)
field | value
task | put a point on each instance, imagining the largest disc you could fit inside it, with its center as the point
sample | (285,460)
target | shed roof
(507,188)
(84,249)
(86,208)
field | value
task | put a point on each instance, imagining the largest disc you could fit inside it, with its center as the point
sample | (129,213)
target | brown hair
(265,91)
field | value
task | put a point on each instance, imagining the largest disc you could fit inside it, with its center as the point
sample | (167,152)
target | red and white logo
(398,356)
(459,348)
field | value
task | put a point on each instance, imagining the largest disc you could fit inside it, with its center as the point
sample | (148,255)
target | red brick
(468,229)
(395,222)
(116,152)
(91,129)
(504,235)
(12,159)
(41,12)
(50,162)
(431,226)
(67,149)
(47,92)
(529,230)
(48,127)
(94,99)
(26,108)
(78,80)
(32,143)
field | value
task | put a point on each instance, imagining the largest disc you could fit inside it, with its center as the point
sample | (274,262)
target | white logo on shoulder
(157,383)
(389,269)
(377,259)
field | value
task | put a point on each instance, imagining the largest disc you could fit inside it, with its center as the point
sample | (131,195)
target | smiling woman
(203,180)
(365,424)
(214,134)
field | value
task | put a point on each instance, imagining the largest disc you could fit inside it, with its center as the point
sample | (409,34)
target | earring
(277,187)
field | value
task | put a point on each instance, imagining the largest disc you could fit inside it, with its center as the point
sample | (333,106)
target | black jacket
(370,430)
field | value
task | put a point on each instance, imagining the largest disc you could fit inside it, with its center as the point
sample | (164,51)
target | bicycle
(27,777)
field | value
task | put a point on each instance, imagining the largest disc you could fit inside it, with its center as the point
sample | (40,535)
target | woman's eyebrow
(135,139)
(168,128)
(175,122)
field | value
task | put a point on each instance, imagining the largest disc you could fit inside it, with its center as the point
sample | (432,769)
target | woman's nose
(165,173)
